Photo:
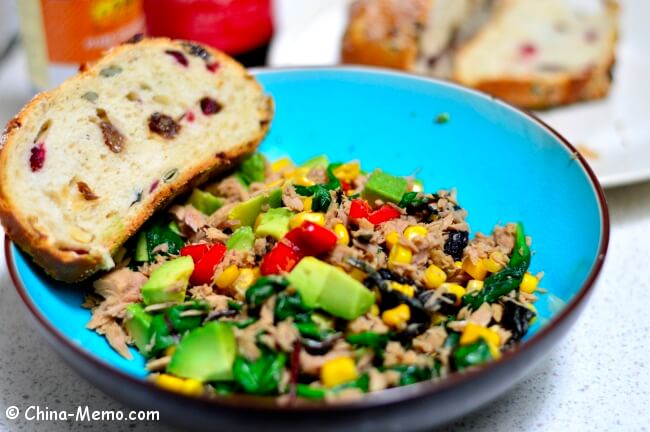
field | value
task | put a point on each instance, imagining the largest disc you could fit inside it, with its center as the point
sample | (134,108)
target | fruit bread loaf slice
(535,54)
(540,54)
(82,167)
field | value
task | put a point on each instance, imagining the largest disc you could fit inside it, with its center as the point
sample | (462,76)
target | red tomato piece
(196,251)
(383,214)
(282,258)
(359,209)
(204,268)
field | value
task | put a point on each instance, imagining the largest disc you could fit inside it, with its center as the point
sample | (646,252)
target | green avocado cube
(247,211)
(242,239)
(274,223)
(385,187)
(138,324)
(168,282)
(205,354)
(253,169)
(324,286)
(317,162)
(205,202)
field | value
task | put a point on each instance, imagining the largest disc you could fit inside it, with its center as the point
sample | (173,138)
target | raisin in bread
(535,54)
(82,167)
(540,54)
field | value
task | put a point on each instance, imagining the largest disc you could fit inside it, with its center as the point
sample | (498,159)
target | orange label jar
(61,34)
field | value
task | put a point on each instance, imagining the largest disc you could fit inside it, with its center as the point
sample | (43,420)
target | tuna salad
(315,281)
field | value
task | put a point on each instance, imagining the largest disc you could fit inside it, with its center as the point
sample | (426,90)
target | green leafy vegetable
(244,323)
(471,355)
(312,330)
(310,392)
(263,289)
(320,192)
(369,339)
(508,279)
(322,199)
(291,305)
(183,323)
(408,198)
(155,235)
(411,374)
(262,376)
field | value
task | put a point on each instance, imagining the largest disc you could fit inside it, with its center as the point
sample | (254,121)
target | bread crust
(384,32)
(73,266)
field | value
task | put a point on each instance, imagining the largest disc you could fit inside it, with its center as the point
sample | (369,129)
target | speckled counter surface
(596,380)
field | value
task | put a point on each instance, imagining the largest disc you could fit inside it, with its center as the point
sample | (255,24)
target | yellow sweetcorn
(399,255)
(474,332)
(348,171)
(227,277)
(407,290)
(299,177)
(281,164)
(374,310)
(476,270)
(246,278)
(342,234)
(455,289)
(397,316)
(189,387)
(434,276)
(307,203)
(438,318)
(474,286)
(275,184)
(357,274)
(302,217)
(529,283)
(391,239)
(495,262)
(415,230)
(458,264)
(338,371)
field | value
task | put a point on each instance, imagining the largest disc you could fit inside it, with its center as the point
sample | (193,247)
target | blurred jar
(59,35)
(241,28)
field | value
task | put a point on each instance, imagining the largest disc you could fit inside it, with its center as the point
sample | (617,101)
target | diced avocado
(173,227)
(205,354)
(141,254)
(205,202)
(385,187)
(168,282)
(247,211)
(138,324)
(253,169)
(274,223)
(324,286)
(242,239)
(317,162)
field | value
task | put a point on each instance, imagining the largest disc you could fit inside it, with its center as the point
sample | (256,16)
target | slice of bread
(539,54)
(535,54)
(84,166)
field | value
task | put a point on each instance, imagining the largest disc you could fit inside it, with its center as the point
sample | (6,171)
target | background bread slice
(483,44)
(539,54)
(82,167)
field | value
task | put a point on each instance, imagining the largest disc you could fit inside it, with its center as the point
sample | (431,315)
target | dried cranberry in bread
(83,166)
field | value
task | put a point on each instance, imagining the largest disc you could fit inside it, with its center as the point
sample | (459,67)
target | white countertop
(597,380)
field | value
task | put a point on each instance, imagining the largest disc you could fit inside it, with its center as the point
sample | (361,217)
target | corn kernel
(474,332)
(338,371)
(407,290)
(391,239)
(434,276)
(342,234)
(246,278)
(274,185)
(374,310)
(299,177)
(190,387)
(302,217)
(227,277)
(529,283)
(399,255)
(358,274)
(281,164)
(438,318)
(474,286)
(454,289)
(414,231)
(348,171)
(170,350)
(495,262)
(397,316)
(307,203)
(458,264)
(475,270)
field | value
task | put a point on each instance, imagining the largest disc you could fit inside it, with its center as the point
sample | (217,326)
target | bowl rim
(384,397)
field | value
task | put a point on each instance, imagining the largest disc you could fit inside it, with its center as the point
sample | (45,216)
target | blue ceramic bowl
(506,165)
